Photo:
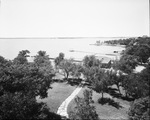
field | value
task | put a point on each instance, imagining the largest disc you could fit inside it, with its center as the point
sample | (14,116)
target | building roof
(104,59)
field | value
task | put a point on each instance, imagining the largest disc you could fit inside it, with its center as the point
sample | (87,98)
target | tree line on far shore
(22,81)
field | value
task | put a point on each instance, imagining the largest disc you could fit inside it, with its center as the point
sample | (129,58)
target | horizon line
(66,37)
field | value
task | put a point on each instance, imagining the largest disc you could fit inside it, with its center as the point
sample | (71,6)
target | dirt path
(62,110)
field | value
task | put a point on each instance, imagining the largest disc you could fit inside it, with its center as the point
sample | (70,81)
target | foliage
(115,78)
(77,70)
(140,109)
(22,57)
(127,63)
(90,65)
(2,60)
(59,59)
(130,84)
(43,63)
(41,58)
(100,81)
(90,61)
(66,66)
(145,76)
(140,51)
(20,83)
(83,109)
(88,74)
(120,41)
(95,75)
(137,52)
(143,53)
(18,106)
(137,85)
(129,41)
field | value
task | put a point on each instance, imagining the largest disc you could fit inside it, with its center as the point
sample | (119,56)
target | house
(106,61)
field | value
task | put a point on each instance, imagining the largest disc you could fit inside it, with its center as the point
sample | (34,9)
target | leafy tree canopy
(59,59)
(22,57)
(101,81)
(90,61)
(66,66)
(20,83)
(140,109)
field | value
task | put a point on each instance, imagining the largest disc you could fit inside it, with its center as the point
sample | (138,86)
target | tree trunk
(102,95)
(118,89)
(67,75)
(126,93)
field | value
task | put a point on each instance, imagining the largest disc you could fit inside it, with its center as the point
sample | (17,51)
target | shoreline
(104,44)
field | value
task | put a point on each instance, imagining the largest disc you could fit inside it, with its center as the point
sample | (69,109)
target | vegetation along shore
(109,90)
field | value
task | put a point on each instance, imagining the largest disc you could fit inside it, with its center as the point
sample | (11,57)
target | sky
(74,18)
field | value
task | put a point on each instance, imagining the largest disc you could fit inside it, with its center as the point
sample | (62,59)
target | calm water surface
(9,48)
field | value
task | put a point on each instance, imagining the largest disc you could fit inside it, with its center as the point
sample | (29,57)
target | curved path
(62,110)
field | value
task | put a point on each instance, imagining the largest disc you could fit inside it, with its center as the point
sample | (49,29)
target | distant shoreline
(63,37)
(108,45)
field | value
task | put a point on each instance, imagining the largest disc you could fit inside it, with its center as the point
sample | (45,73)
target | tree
(22,57)
(100,81)
(143,53)
(2,60)
(43,63)
(77,70)
(139,49)
(136,85)
(20,83)
(115,78)
(83,109)
(59,59)
(66,66)
(145,77)
(41,58)
(140,109)
(137,52)
(90,63)
(127,63)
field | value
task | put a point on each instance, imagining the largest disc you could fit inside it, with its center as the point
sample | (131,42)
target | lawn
(116,110)
(59,92)
(72,103)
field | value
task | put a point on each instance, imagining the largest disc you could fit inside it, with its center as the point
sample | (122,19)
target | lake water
(9,48)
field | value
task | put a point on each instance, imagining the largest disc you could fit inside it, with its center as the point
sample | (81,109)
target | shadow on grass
(110,102)
(114,93)
(47,115)
(58,80)
(73,81)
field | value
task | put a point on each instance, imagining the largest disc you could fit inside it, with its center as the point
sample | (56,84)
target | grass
(107,110)
(56,95)
(71,105)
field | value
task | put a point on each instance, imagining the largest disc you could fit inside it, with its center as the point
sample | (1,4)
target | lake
(9,48)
